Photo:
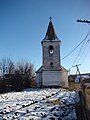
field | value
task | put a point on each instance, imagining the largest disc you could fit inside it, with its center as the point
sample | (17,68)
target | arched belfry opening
(51,71)
(51,49)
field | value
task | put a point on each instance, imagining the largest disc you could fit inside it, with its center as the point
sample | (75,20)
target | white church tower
(51,73)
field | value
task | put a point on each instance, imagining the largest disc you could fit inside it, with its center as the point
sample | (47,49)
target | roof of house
(82,74)
(63,68)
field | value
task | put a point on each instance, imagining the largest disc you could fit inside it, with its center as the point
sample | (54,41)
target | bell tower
(51,50)
(51,73)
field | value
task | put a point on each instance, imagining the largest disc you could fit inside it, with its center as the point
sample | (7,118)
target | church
(51,73)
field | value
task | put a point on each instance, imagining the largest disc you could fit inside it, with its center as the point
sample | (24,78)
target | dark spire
(50,34)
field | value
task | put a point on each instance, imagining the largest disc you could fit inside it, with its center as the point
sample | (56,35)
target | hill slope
(39,104)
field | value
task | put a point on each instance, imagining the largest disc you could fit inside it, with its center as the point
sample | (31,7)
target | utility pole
(77,72)
(84,21)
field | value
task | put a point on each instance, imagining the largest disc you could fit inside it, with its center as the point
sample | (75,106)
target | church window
(51,49)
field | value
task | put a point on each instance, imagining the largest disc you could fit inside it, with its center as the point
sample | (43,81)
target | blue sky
(23,25)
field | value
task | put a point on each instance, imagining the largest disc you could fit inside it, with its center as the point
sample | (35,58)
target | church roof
(50,34)
(41,69)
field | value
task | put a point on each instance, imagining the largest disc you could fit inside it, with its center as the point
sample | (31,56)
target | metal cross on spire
(50,18)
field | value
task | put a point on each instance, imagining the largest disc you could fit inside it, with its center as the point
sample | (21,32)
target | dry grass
(74,86)
(55,102)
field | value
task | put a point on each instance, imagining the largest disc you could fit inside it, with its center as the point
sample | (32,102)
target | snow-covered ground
(38,104)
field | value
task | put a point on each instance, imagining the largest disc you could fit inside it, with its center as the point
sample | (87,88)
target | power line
(87,43)
(72,50)
(83,46)
(77,45)
(88,22)
(78,53)
(86,53)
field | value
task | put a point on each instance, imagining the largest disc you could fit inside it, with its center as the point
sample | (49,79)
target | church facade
(51,73)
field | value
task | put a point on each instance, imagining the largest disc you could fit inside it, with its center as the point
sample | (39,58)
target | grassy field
(74,86)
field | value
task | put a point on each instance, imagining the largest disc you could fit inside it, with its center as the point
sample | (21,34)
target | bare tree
(3,67)
(17,75)
(10,67)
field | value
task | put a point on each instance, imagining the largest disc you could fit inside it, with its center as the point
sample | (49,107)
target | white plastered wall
(64,78)
(38,79)
(51,78)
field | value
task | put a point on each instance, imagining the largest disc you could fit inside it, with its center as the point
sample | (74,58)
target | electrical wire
(77,45)
(84,46)
(78,53)
(86,53)
(85,50)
